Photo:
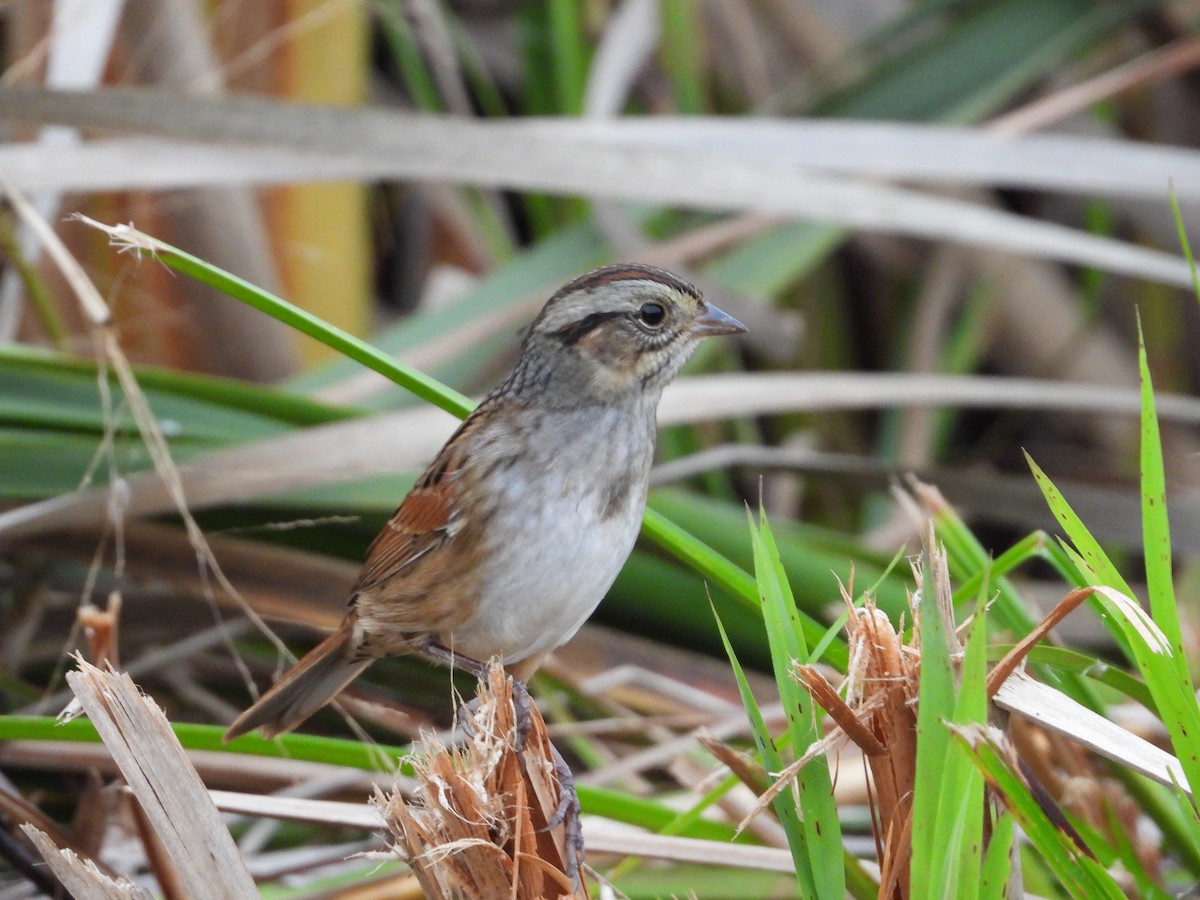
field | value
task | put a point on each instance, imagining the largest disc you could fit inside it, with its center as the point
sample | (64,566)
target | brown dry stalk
(885,676)
(1016,656)
(475,825)
(748,770)
(100,628)
(826,695)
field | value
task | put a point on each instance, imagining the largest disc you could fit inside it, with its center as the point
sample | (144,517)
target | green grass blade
(682,46)
(933,873)
(964,785)
(1156,528)
(1167,676)
(997,862)
(784,804)
(569,52)
(343,342)
(1160,662)
(1080,875)
(1184,243)
(666,534)
(407,57)
(310,748)
(785,633)
(1090,552)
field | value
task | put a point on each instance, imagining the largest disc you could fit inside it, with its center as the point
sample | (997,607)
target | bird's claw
(567,812)
(522,714)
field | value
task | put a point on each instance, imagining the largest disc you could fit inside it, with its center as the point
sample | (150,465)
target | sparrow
(513,535)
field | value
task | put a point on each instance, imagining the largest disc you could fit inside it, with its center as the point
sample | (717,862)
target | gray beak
(714,321)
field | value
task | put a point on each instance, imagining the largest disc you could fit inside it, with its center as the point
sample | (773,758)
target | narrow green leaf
(311,748)
(962,790)
(1156,527)
(785,633)
(305,322)
(1167,674)
(407,57)
(997,862)
(1163,667)
(569,52)
(784,803)
(1184,243)
(1080,874)
(934,871)
(682,45)
(1089,548)
(662,531)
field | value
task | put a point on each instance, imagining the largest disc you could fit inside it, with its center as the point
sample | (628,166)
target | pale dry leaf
(601,836)
(80,876)
(704,169)
(1055,711)
(157,769)
(407,439)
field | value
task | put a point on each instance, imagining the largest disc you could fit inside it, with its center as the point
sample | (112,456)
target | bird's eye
(652,314)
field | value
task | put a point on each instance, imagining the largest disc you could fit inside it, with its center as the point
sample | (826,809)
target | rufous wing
(422,522)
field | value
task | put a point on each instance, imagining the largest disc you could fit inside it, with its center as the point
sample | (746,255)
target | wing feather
(423,521)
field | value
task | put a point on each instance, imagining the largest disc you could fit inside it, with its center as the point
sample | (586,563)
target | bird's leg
(440,653)
(568,810)
(522,704)
(568,815)
(521,672)
(522,712)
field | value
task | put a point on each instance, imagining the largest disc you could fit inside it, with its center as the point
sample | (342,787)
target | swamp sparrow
(515,532)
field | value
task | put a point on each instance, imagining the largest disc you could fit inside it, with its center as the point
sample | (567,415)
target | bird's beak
(715,321)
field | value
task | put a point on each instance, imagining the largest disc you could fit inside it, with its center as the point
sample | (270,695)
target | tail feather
(303,689)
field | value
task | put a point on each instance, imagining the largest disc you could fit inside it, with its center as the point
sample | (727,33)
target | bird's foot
(568,815)
(522,714)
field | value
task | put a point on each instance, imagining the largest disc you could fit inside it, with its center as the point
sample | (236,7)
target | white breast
(560,539)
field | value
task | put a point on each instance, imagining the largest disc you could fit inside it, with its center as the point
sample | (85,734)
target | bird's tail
(304,688)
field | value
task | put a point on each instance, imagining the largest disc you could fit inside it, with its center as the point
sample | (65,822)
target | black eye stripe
(577,331)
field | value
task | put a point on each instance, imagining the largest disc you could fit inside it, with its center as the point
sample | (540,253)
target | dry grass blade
(475,828)
(884,678)
(391,442)
(171,794)
(1058,713)
(748,770)
(601,836)
(1016,656)
(81,876)
(521,155)
(848,719)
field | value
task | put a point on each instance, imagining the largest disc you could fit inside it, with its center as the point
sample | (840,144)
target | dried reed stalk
(886,682)
(82,876)
(476,826)
(195,842)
